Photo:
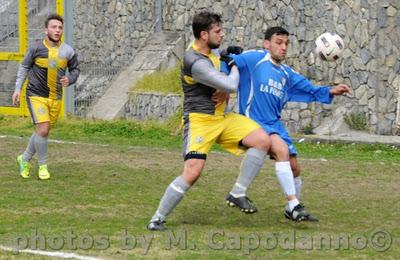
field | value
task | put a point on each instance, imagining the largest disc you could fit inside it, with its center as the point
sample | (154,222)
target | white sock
(298,184)
(292,203)
(285,177)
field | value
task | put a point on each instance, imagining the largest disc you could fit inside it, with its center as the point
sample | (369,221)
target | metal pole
(69,37)
(158,15)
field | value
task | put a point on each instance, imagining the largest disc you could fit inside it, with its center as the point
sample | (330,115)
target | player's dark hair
(203,22)
(53,17)
(275,30)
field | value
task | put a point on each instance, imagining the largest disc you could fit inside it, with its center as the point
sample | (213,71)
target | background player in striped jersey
(45,64)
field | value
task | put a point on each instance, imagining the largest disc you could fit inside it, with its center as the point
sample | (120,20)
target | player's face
(215,36)
(54,30)
(277,47)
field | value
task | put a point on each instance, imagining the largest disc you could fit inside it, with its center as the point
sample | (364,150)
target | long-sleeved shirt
(45,66)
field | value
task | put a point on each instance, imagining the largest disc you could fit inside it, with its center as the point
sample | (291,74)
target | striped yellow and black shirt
(45,66)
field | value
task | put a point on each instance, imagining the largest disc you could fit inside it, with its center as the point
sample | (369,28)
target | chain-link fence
(8,26)
(92,83)
(10,38)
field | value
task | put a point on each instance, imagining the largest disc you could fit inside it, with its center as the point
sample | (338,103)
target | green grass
(123,132)
(111,182)
(162,82)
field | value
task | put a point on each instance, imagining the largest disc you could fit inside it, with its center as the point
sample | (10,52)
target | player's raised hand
(15,97)
(234,49)
(340,90)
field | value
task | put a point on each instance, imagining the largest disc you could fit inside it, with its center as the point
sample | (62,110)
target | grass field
(106,186)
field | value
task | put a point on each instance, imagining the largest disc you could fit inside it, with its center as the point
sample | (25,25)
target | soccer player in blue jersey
(266,85)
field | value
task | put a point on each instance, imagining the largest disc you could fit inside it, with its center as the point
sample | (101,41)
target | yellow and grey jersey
(201,77)
(45,66)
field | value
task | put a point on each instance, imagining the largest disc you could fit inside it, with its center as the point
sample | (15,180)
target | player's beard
(277,59)
(52,39)
(212,45)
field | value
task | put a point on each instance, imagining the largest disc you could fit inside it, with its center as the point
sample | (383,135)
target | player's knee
(281,152)
(263,142)
(42,132)
(191,171)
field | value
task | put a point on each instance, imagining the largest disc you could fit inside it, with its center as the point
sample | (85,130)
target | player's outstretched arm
(340,90)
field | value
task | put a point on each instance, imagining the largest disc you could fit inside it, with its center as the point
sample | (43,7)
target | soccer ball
(329,46)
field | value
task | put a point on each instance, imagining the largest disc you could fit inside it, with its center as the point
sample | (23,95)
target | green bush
(307,130)
(356,121)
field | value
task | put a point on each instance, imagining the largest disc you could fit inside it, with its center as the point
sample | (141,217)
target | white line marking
(48,253)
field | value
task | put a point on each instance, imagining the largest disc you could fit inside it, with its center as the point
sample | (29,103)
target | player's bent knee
(281,152)
(265,142)
(258,139)
(192,170)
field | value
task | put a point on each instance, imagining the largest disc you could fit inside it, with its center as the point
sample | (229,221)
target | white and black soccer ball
(329,46)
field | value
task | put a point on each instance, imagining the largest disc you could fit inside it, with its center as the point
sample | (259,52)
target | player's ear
(204,35)
(267,43)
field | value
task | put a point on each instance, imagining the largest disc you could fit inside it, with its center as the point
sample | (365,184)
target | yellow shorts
(44,109)
(201,131)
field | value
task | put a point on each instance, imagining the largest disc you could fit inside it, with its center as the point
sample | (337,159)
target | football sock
(251,166)
(172,196)
(41,146)
(298,185)
(285,177)
(30,149)
(292,203)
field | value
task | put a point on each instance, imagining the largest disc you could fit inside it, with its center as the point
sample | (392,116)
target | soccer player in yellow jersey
(45,65)
(205,121)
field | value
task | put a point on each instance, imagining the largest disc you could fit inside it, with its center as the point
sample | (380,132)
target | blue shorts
(279,129)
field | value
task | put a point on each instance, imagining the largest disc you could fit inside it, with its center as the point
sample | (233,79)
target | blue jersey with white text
(265,88)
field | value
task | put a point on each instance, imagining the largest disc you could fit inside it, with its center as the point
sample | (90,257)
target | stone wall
(370,29)
(152,106)
(370,65)
(107,36)
(110,31)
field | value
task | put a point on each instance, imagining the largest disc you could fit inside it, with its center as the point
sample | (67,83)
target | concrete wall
(107,32)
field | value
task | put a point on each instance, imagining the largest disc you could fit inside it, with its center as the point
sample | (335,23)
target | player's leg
(23,159)
(42,132)
(257,141)
(281,149)
(38,109)
(175,191)
(298,183)
(200,132)
(294,165)
(283,170)
(41,147)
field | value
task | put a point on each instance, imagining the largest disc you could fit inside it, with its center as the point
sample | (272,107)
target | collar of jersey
(49,46)
(197,49)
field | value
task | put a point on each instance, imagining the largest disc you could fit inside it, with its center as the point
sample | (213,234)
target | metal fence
(21,24)
(92,83)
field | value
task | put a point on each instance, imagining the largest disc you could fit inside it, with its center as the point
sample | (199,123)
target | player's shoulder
(67,46)
(191,56)
(66,50)
(289,69)
(254,53)
(37,44)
